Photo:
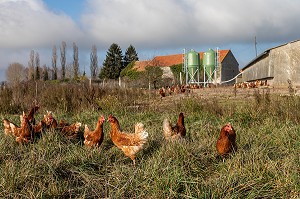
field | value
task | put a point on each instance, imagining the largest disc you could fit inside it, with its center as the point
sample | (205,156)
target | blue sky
(73,8)
(153,27)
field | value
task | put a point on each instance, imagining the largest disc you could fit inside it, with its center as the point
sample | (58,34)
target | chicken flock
(129,143)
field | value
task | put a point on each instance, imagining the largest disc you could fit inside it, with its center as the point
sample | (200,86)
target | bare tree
(37,66)
(15,73)
(69,70)
(153,74)
(54,62)
(31,66)
(94,62)
(63,60)
(75,61)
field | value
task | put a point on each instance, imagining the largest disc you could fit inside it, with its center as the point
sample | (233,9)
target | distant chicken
(71,131)
(31,113)
(162,92)
(62,123)
(39,127)
(9,127)
(25,133)
(226,142)
(49,121)
(12,129)
(18,130)
(174,132)
(129,143)
(94,138)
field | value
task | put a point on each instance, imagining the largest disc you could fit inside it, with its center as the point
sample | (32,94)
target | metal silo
(209,63)
(193,64)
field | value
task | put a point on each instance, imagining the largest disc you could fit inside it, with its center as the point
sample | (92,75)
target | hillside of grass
(266,164)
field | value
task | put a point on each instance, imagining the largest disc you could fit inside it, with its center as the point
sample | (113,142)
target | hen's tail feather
(144,136)
(141,133)
(167,128)
(9,127)
(77,126)
(86,130)
(139,127)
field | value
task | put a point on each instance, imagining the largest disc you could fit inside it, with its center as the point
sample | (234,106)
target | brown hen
(129,143)
(174,132)
(49,121)
(25,133)
(9,127)
(94,138)
(31,114)
(71,131)
(226,142)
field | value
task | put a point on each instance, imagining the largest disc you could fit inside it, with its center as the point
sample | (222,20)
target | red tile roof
(170,60)
(141,65)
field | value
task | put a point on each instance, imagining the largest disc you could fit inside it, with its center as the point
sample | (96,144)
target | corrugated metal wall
(259,70)
(280,64)
(286,61)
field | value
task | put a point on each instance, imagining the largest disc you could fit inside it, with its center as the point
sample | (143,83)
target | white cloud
(171,23)
(160,26)
(28,24)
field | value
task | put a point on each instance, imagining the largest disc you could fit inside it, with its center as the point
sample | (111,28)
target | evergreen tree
(112,64)
(45,73)
(37,66)
(63,60)
(130,56)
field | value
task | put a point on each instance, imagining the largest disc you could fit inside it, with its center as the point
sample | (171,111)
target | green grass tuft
(266,164)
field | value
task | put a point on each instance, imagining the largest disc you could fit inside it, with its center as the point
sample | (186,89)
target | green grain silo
(209,62)
(193,64)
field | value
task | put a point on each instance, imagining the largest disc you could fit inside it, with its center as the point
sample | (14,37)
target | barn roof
(265,53)
(141,65)
(170,60)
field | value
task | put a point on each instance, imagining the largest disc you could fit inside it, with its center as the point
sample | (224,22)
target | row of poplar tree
(112,66)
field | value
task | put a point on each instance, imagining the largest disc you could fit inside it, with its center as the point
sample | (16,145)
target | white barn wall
(286,60)
(260,70)
(277,65)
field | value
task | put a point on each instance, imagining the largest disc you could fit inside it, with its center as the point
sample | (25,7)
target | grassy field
(266,164)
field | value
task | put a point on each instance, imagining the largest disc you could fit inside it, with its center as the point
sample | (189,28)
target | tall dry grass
(266,164)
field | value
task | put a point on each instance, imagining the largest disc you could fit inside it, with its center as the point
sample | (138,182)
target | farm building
(227,68)
(277,65)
